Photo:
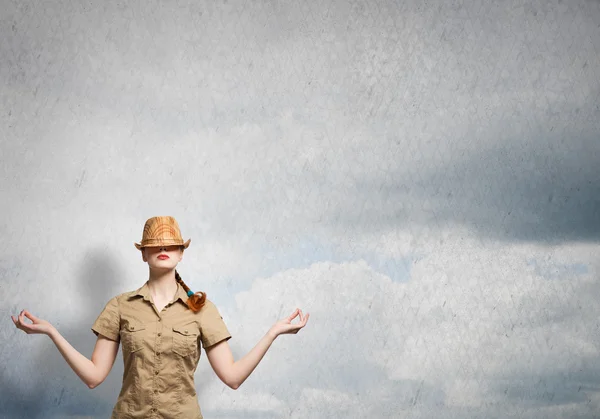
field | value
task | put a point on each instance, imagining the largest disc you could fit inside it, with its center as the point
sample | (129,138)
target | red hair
(197,300)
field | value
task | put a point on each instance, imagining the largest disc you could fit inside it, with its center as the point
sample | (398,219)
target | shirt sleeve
(109,320)
(212,327)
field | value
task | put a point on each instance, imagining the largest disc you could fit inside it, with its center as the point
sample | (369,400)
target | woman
(161,326)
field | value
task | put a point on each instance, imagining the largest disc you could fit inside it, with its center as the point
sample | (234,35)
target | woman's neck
(162,284)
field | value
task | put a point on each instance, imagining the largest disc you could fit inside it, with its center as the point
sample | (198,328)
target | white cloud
(470,315)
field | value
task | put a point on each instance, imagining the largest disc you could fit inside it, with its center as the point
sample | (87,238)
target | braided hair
(196,301)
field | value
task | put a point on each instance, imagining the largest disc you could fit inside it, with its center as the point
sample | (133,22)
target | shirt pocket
(185,338)
(133,336)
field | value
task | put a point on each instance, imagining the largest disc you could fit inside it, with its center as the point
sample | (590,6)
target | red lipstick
(163,257)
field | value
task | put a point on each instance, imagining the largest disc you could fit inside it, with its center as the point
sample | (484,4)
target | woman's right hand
(38,326)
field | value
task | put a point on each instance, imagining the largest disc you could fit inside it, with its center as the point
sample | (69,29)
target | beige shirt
(160,352)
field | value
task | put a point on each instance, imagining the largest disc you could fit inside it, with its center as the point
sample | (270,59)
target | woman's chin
(163,268)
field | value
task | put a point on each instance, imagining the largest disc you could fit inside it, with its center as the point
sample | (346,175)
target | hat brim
(185,245)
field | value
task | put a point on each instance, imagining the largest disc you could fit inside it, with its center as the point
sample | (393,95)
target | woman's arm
(93,372)
(233,373)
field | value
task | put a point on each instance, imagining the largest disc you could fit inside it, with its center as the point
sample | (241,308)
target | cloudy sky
(422,177)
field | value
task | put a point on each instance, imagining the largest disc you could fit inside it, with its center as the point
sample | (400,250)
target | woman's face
(162,258)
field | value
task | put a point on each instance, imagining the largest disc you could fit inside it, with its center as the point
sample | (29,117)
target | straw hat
(161,231)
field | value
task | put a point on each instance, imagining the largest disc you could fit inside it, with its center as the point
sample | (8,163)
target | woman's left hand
(285,326)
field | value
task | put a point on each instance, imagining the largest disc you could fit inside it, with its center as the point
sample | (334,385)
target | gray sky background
(421,177)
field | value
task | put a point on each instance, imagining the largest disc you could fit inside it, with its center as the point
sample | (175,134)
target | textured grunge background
(421,176)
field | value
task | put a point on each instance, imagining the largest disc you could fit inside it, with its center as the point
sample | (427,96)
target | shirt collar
(144,291)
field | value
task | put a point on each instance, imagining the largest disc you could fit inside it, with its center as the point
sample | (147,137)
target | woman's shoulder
(209,302)
(209,310)
(210,305)
(121,297)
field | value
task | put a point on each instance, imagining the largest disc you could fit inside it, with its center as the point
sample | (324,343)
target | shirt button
(157,353)
(132,327)
(159,319)
(185,331)
(156,372)
(154,409)
(159,333)
(155,391)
